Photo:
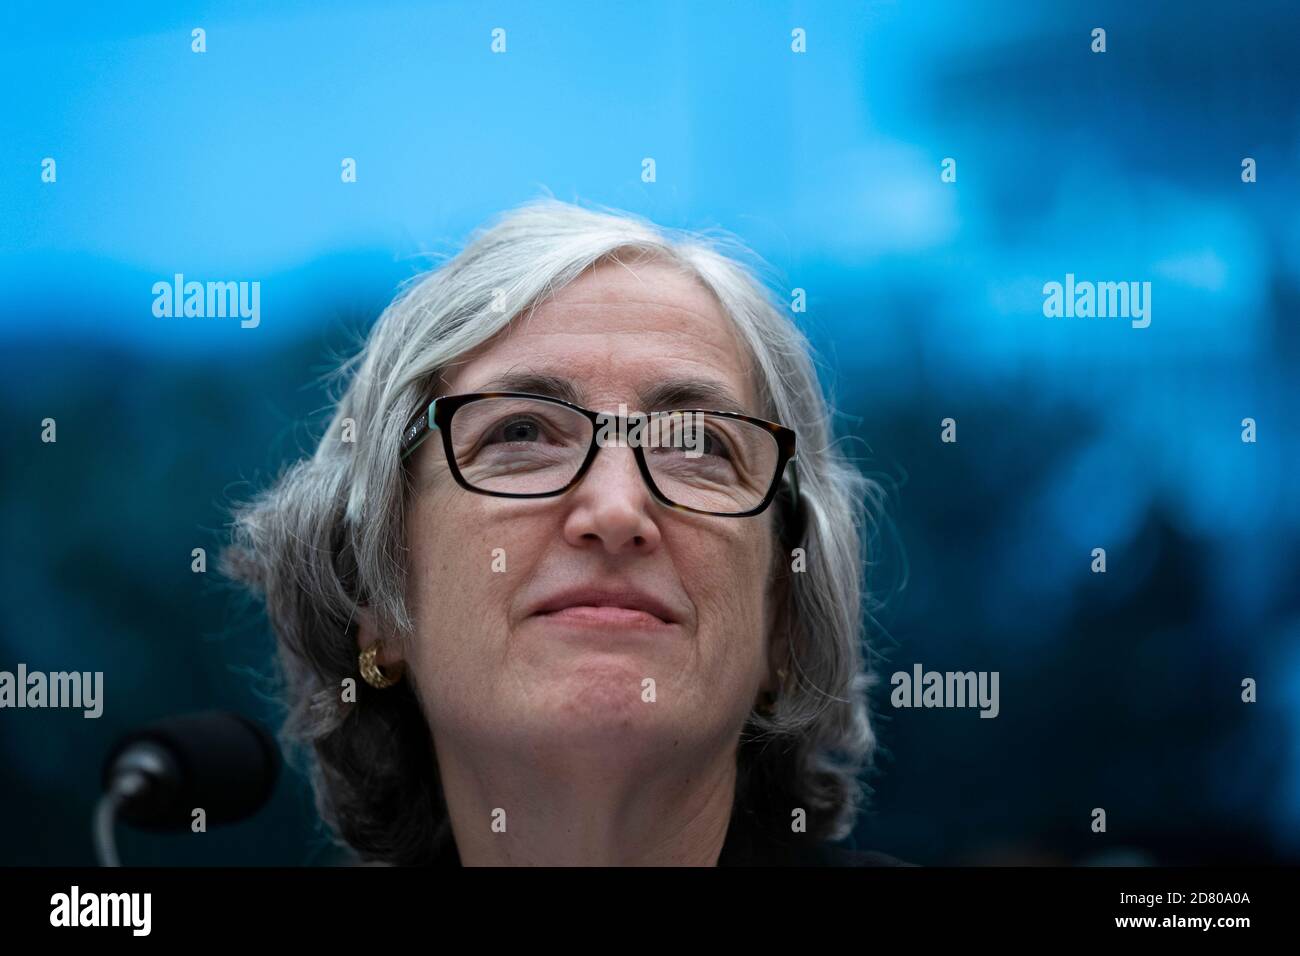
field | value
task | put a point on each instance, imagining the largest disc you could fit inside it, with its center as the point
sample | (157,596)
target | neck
(568,808)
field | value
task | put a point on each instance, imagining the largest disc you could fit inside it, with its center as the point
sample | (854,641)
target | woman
(575,645)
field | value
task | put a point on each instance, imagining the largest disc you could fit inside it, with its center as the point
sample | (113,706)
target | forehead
(616,333)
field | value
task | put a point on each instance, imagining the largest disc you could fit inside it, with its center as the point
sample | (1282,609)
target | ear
(779,599)
(368,632)
(778,656)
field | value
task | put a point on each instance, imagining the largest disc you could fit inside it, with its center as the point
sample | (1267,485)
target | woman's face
(491,671)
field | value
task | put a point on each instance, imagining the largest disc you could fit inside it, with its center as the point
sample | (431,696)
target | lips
(573,602)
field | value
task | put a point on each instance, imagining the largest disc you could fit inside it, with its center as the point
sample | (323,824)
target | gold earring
(371,671)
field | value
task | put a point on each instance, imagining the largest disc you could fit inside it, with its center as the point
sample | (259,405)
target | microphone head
(221,762)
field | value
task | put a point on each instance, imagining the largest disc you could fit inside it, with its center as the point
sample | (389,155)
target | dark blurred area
(1119,690)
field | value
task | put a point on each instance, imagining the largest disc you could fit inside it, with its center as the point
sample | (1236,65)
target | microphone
(154,778)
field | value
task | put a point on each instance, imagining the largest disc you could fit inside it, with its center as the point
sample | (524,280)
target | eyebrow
(537,383)
(691,393)
(662,396)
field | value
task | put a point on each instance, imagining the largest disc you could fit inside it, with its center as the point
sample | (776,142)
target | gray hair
(329,536)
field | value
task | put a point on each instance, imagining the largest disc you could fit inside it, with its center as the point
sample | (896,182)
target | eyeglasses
(518,445)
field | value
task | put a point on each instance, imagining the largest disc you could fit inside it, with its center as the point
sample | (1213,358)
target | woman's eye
(713,445)
(519,430)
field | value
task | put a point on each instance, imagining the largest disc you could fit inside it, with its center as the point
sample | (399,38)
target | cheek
(727,579)
(458,586)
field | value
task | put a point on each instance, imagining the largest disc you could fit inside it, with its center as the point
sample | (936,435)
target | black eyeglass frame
(440,411)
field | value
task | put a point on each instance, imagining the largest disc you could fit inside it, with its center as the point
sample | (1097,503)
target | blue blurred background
(1118,690)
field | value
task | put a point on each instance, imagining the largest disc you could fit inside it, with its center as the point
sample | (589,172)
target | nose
(612,507)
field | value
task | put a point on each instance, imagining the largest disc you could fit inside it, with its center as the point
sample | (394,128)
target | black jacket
(746,844)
